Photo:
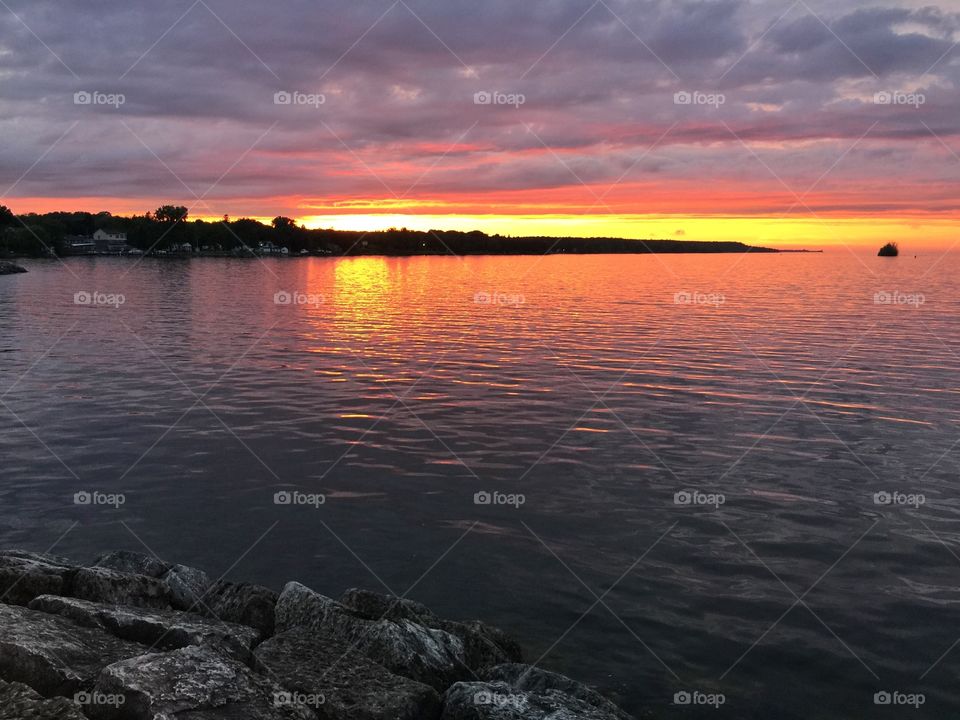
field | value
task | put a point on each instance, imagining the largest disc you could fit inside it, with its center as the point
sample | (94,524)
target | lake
(712,474)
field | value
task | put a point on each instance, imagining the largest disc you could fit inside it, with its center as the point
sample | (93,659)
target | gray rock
(527,678)
(157,629)
(428,655)
(193,683)
(484,645)
(317,664)
(8,268)
(501,701)
(133,563)
(251,605)
(53,655)
(187,587)
(24,576)
(19,702)
(101,584)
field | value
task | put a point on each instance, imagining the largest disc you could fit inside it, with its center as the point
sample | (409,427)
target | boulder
(157,629)
(193,683)
(484,645)
(53,655)
(101,584)
(8,268)
(407,648)
(317,664)
(251,605)
(187,586)
(19,702)
(501,701)
(133,563)
(527,678)
(25,575)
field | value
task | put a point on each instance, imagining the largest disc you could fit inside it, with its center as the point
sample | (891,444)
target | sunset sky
(807,123)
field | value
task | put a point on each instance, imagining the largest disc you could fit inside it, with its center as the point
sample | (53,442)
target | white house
(110,237)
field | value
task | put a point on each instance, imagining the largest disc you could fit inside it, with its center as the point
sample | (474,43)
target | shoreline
(132,637)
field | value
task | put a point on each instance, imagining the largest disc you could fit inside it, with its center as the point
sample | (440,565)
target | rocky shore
(131,637)
(8,268)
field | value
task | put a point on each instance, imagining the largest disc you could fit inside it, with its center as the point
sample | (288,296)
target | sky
(783,123)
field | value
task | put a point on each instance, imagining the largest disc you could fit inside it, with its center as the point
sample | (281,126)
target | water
(584,386)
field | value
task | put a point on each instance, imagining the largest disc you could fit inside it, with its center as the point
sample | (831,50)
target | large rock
(527,678)
(315,663)
(484,645)
(244,603)
(8,268)
(19,702)
(133,563)
(193,683)
(501,701)
(101,584)
(157,629)
(187,587)
(428,655)
(53,655)
(25,575)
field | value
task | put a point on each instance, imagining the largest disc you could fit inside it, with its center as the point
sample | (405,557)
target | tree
(283,223)
(7,218)
(171,214)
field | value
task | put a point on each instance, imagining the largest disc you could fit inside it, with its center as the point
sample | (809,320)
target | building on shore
(110,242)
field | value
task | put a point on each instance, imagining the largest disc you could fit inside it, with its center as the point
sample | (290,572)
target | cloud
(398,85)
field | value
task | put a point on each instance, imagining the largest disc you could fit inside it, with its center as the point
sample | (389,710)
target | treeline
(169,227)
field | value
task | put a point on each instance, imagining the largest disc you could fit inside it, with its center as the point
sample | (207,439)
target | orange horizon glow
(517,214)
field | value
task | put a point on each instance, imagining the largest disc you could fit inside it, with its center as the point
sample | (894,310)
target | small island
(889,250)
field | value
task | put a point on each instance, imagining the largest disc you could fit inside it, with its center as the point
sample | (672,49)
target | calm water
(783,386)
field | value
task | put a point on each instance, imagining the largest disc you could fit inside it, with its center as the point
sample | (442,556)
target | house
(110,241)
(79,245)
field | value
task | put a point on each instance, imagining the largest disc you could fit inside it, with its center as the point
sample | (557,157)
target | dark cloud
(598,83)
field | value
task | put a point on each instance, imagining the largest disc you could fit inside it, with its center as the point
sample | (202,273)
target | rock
(157,629)
(315,663)
(501,701)
(428,655)
(8,268)
(244,603)
(533,679)
(53,655)
(133,563)
(187,586)
(484,645)
(193,683)
(19,702)
(101,584)
(25,575)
